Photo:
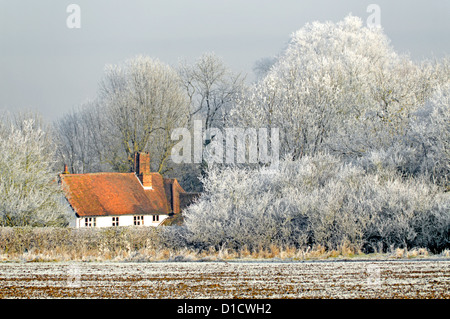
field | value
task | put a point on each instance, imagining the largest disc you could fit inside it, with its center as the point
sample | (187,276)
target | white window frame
(90,222)
(138,220)
(115,221)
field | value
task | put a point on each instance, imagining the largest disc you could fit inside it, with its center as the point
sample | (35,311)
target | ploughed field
(316,279)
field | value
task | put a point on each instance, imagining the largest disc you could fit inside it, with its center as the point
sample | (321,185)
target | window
(115,221)
(156,218)
(138,220)
(89,222)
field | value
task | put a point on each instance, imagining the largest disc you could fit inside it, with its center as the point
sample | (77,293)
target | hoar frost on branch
(423,149)
(336,87)
(318,200)
(138,104)
(29,191)
(144,102)
(365,134)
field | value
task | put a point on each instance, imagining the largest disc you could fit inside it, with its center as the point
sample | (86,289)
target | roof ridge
(100,173)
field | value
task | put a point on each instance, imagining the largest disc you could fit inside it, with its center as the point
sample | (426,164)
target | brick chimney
(66,170)
(142,168)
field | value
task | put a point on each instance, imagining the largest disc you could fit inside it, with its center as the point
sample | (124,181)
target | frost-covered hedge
(71,243)
(319,200)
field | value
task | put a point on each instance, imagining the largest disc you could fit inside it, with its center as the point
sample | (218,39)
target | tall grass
(147,244)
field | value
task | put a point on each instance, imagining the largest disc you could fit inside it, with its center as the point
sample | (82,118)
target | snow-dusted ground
(339,279)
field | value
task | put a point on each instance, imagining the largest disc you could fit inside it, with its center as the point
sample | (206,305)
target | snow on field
(340,279)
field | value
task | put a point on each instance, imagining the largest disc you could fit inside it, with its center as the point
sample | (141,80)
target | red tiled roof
(105,194)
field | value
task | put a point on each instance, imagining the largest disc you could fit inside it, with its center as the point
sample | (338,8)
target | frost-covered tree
(337,87)
(211,87)
(143,101)
(262,66)
(424,148)
(29,190)
(430,134)
(83,140)
(139,103)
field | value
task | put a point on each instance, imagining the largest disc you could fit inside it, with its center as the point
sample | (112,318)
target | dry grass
(145,244)
(412,253)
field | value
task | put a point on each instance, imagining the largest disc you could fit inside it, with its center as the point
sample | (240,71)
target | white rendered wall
(124,220)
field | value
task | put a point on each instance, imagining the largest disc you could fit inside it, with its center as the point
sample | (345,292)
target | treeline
(363,144)
(364,147)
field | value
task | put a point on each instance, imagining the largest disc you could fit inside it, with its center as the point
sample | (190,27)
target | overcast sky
(46,66)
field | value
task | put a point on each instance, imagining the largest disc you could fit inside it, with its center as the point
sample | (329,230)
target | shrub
(318,200)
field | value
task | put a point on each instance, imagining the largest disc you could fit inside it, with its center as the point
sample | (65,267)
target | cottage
(141,198)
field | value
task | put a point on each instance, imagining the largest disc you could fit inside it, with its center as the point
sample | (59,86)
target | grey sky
(48,67)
